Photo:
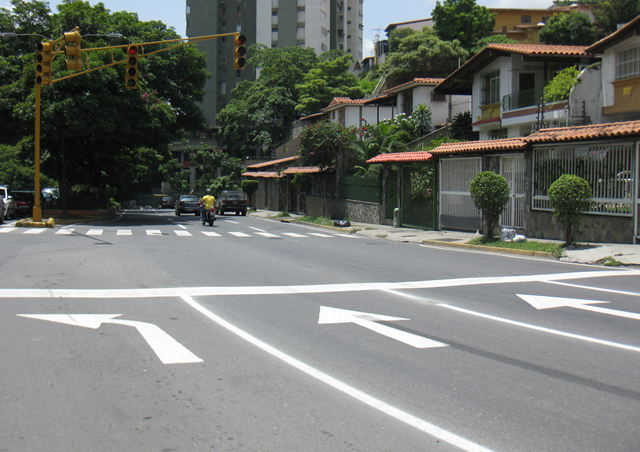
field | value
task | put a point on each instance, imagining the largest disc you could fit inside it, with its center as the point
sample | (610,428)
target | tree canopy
(610,13)
(569,29)
(463,21)
(113,138)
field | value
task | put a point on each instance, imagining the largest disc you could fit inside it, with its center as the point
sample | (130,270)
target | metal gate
(418,196)
(636,214)
(457,210)
(512,169)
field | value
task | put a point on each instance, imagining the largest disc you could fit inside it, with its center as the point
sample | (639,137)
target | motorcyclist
(206,203)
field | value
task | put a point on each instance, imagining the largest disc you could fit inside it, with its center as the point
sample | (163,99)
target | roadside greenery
(569,29)
(560,86)
(463,21)
(490,194)
(570,197)
(530,245)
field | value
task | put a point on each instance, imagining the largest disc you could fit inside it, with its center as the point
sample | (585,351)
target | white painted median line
(403,416)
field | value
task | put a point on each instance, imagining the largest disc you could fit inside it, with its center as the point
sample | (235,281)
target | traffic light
(133,51)
(44,57)
(239,51)
(73,50)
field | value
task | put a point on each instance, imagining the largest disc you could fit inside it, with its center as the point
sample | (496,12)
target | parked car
(24,201)
(188,204)
(52,191)
(1,210)
(167,202)
(232,201)
(9,204)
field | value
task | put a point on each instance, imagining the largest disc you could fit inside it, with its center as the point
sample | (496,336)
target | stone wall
(593,228)
(356,211)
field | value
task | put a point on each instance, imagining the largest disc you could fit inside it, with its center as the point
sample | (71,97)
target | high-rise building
(319,24)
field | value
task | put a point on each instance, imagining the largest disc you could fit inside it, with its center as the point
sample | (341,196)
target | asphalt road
(156,333)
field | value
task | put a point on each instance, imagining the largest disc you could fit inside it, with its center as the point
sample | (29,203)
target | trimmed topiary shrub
(490,194)
(250,187)
(570,197)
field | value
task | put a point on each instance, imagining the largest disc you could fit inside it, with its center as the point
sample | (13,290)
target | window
(628,63)
(223,57)
(238,73)
(437,97)
(223,88)
(498,134)
(545,19)
(188,9)
(490,88)
(525,19)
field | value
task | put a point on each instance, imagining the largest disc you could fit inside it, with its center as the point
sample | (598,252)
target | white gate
(512,169)
(457,210)
(636,214)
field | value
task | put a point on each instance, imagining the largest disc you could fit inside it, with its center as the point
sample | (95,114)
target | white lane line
(182,226)
(239,234)
(268,235)
(293,234)
(313,288)
(321,235)
(599,289)
(211,234)
(124,232)
(65,232)
(154,232)
(231,221)
(94,232)
(402,416)
(34,231)
(256,229)
(5,230)
(183,233)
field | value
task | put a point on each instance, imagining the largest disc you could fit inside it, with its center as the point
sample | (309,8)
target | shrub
(570,197)
(490,194)
(250,187)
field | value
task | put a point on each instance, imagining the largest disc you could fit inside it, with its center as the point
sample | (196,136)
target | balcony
(523,99)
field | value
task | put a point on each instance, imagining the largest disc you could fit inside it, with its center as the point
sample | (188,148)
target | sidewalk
(593,253)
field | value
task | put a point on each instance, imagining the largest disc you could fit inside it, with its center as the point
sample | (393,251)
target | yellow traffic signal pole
(37,209)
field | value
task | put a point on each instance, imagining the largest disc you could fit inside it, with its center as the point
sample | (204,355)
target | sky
(378,14)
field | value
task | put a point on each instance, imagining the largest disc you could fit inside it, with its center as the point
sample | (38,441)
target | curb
(493,249)
(29,223)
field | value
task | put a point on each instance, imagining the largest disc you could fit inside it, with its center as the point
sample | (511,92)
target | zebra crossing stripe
(268,235)
(293,234)
(211,234)
(183,233)
(124,232)
(239,234)
(65,231)
(321,235)
(95,231)
(6,230)
(154,232)
(34,231)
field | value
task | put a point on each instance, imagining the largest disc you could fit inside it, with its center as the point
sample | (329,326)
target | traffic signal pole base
(37,213)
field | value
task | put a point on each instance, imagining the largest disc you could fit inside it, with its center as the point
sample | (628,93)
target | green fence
(361,189)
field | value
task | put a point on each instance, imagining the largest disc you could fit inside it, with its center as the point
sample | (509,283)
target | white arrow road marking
(166,348)
(541,302)
(364,319)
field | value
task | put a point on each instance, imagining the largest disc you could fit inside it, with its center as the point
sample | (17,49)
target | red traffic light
(241,40)
(132,50)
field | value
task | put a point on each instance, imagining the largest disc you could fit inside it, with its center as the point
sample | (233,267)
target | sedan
(188,204)
(24,202)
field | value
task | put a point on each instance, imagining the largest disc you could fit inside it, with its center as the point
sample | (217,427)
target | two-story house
(506,82)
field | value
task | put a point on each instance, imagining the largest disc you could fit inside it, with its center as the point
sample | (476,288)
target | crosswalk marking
(211,234)
(6,230)
(154,232)
(293,234)
(34,231)
(65,231)
(321,235)
(268,235)
(183,233)
(95,231)
(124,232)
(239,234)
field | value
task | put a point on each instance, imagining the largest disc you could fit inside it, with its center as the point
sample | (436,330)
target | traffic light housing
(239,51)
(133,52)
(73,51)
(44,58)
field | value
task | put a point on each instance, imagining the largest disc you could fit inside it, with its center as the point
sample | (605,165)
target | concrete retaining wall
(357,211)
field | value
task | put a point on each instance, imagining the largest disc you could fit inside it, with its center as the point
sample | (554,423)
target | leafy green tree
(212,164)
(560,86)
(260,113)
(610,13)
(421,118)
(570,197)
(250,187)
(462,20)
(113,139)
(420,54)
(569,29)
(490,194)
(461,127)
(330,78)
(328,144)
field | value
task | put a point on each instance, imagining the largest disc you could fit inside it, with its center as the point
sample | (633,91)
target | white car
(9,205)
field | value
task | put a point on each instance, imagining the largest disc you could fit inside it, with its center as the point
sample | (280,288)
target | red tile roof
(591,132)
(338,101)
(486,121)
(263,174)
(417,81)
(269,163)
(623,33)
(464,147)
(540,49)
(401,157)
(304,169)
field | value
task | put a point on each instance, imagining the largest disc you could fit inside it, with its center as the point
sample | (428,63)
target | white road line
(183,233)
(396,413)
(34,231)
(211,234)
(231,221)
(293,234)
(600,289)
(154,232)
(124,232)
(268,235)
(182,226)
(239,234)
(321,235)
(65,232)
(94,232)
(256,229)
(5,230)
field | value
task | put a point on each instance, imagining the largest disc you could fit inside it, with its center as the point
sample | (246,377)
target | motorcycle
(209,216)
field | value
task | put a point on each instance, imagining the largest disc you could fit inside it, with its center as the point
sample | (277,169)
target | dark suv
(232,201)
